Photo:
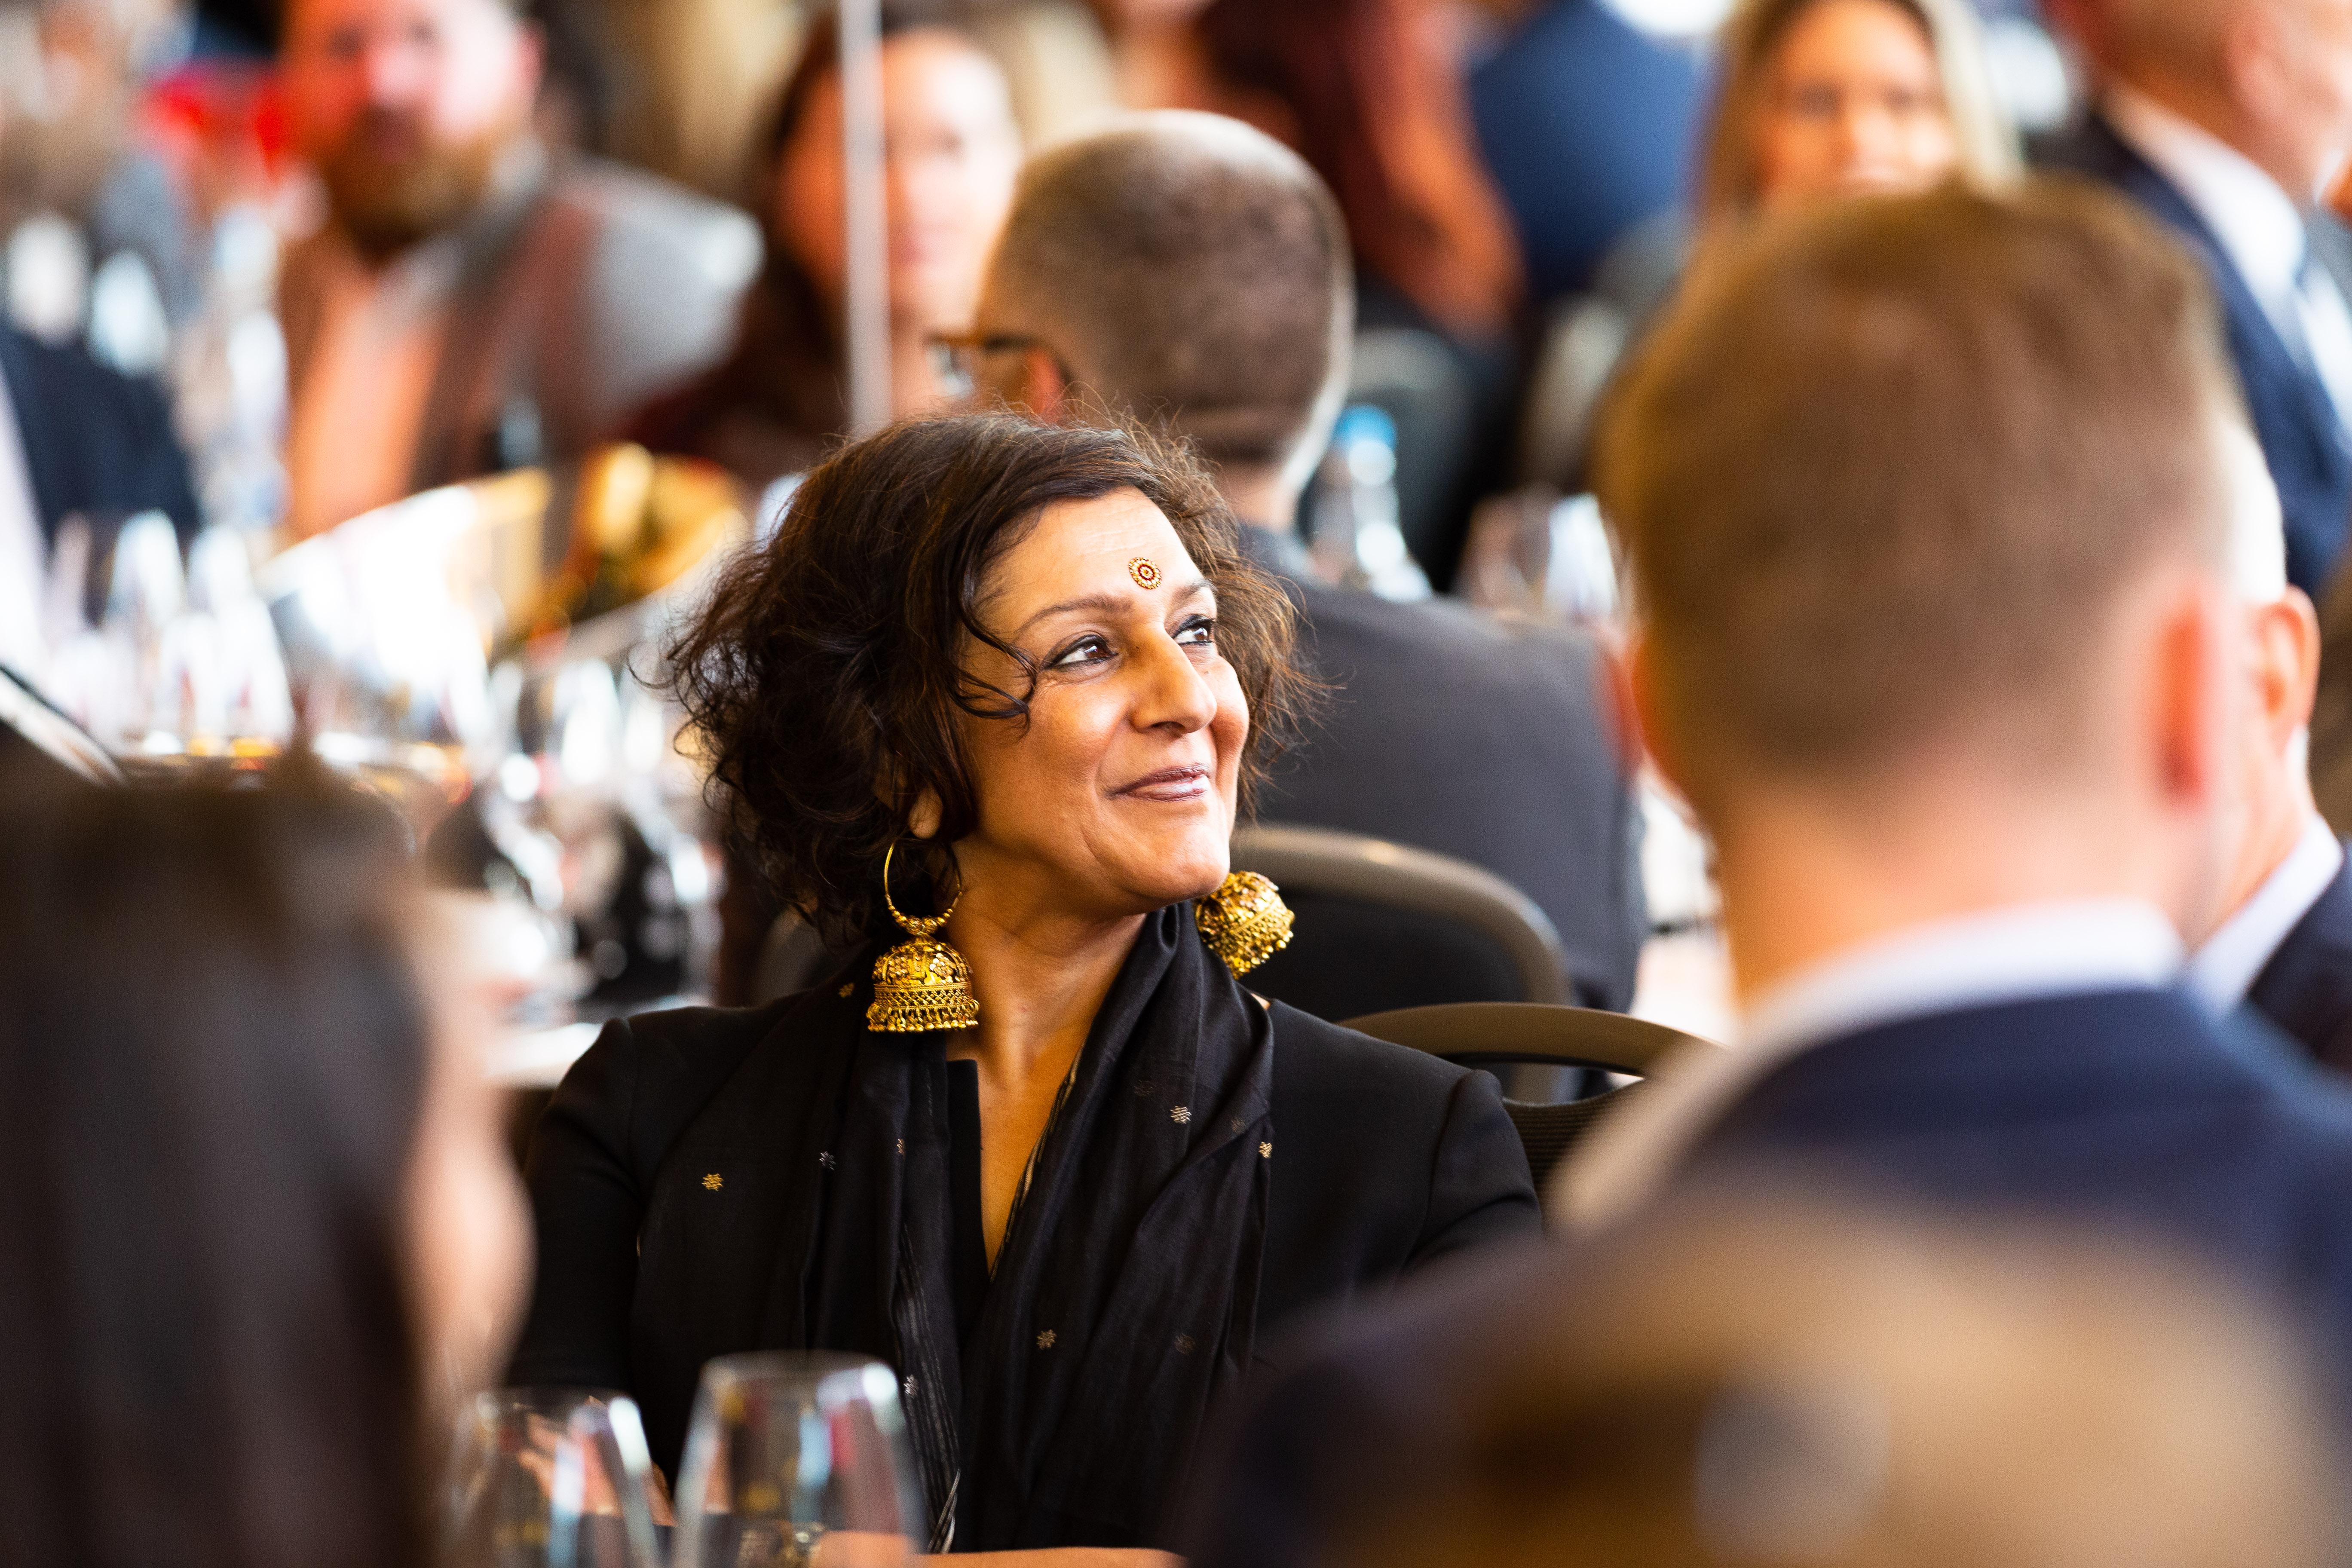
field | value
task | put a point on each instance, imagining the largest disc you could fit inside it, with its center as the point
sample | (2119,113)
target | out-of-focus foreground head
(406,107)
(1776,1382)
(1827,98)
(2271,78)
(1177,267)
(1928,493)
(255,1206)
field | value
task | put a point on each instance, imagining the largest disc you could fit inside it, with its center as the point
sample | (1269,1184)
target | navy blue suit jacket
(2293,417)
(2132,1110)
(95,441)
(2305,989)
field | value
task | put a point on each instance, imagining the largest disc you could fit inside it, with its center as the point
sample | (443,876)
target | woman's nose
(1175,692)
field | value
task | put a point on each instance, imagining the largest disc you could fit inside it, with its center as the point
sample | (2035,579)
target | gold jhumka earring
(1244,921)
(922,984)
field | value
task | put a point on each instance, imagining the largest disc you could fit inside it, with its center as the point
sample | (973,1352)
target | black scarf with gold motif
(1124,1298)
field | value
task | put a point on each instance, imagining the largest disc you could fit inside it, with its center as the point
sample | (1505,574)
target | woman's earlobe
(924,817)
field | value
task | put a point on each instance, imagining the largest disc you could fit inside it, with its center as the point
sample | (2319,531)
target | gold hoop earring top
(921,925)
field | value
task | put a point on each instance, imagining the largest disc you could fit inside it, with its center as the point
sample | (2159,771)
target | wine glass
(547,1477)
(797,1461)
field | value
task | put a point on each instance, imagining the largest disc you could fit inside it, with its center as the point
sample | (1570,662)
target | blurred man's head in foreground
(406,107)
(1927,507)
(1777,1382)
(1179,266)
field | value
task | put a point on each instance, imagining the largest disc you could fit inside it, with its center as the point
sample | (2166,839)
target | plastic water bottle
(1357,540)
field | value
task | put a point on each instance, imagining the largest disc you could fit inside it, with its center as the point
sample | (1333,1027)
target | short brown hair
(833,658)
(1883,473)
(1198,269)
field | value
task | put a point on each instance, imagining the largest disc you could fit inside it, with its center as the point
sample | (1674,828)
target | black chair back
(1382,926)
(1498,1034)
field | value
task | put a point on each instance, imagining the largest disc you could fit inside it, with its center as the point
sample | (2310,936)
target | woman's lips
(1168,784)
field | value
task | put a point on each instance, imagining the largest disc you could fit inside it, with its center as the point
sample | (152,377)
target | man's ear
(2200,679)
(2293,625)
(2255,56)
(1044,388)
(1650,734)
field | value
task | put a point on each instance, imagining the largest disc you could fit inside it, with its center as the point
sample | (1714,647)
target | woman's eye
(1201,633)
(1086,650)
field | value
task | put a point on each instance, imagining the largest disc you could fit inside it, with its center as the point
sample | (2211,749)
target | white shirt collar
(2260,226)
(2026,951)
(2223,969)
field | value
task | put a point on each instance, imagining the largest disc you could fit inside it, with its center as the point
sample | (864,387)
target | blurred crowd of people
(1913,453)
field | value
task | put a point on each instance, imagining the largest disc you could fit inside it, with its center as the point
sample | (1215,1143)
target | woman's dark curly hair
(830,665)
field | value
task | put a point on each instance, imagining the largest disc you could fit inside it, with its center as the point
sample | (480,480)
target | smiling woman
(1074,1207)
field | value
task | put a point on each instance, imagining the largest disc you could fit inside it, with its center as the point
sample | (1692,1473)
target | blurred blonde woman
(1827,98)
(1818,99)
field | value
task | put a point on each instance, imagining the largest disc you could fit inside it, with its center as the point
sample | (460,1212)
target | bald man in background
(1187,268)
(2223,118)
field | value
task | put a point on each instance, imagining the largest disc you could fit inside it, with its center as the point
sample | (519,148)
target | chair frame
(1376,871)
(1519,1033)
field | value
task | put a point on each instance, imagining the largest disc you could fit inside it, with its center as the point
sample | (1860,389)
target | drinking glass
(550,1478)
(797,1461)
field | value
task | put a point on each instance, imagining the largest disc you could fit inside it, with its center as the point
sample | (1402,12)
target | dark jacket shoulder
(647,1077)
(1498,740)
(2305,988)
(94,440)
(1385,1160)
(2132,1109)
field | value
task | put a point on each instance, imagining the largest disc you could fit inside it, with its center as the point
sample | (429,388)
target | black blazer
(2293,416)
(1391,1160)
(94,441)
(2132,1109)
(1498,742)
(2305,988)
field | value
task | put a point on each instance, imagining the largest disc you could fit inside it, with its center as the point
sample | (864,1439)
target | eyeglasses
(956,357)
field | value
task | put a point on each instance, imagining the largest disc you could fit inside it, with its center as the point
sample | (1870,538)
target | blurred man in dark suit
(1928,500)
(2284,944)
(2223,117)
(75,436)
(1184,267)
(1966,742)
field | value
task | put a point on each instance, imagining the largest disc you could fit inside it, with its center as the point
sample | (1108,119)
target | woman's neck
(1041,977)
